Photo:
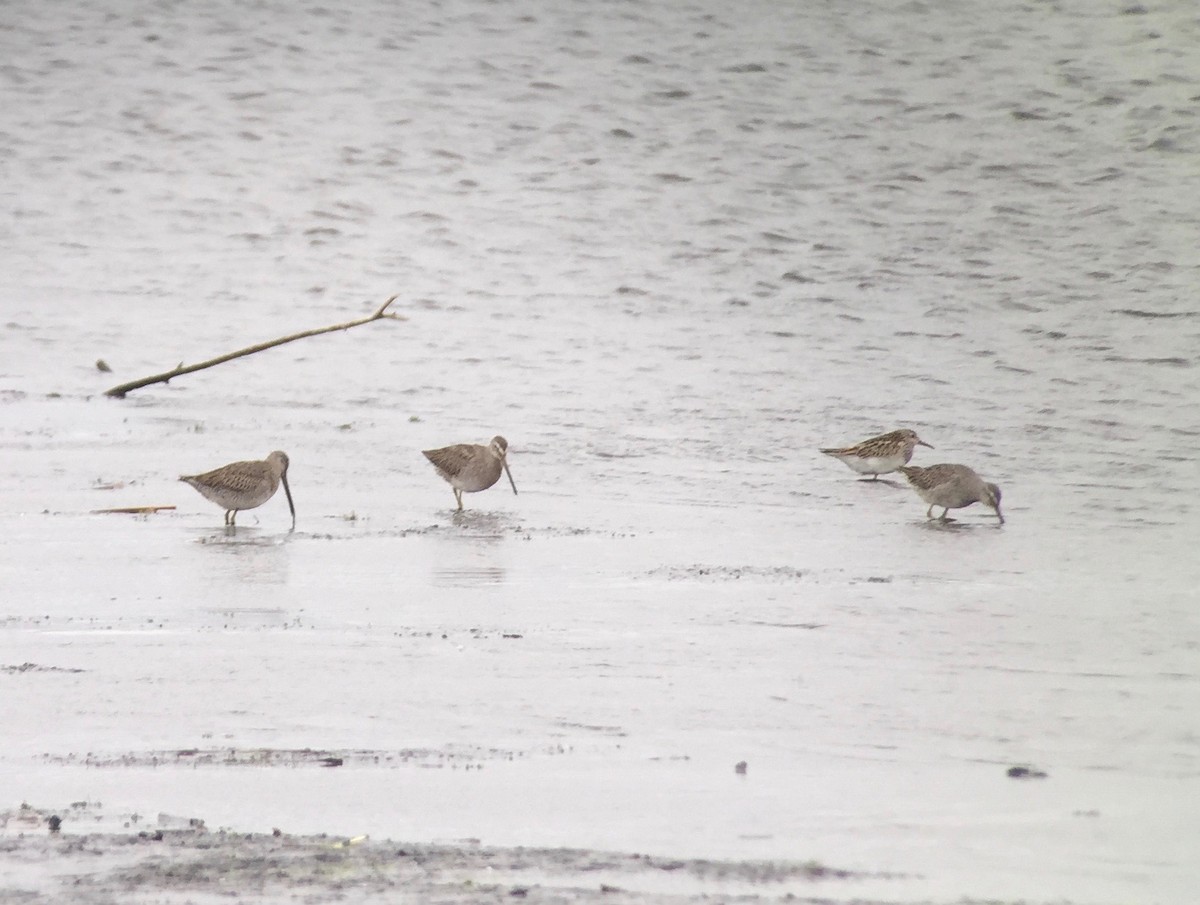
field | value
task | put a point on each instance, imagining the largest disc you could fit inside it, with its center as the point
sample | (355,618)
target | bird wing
(238,476)
(927,478)
(450,459)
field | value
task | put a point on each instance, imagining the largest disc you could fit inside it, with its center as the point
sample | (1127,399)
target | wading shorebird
(469,467)
(952,487)
(244,485)
(879,455)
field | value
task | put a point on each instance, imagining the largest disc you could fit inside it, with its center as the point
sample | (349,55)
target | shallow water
(667,253)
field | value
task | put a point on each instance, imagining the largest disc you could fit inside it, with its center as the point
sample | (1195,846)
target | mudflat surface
(668,253)
(172,860)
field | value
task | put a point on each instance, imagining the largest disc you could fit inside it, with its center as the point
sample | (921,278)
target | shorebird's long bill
(923,443)
(510,480)
(291,506)
(998,515)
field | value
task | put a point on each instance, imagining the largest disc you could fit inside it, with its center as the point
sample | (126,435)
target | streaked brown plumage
(244,485)
(952,487)
(469,467)
(879,455)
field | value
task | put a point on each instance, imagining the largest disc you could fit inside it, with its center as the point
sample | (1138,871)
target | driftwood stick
(120,391)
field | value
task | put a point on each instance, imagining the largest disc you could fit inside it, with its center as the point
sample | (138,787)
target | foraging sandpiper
(244,485)
(469,467)
(952,487)
(879,455)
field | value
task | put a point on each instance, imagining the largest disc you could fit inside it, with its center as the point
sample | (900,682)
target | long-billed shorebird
(879,455)
(952,487)
(244,485)
(469,467)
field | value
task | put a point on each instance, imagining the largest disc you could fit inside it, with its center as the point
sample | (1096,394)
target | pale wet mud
(669,253)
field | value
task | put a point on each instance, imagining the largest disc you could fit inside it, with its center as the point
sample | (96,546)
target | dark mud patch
(469,525)
(809,626)
(452,758)
(171,864)
(728,573)
(36,667)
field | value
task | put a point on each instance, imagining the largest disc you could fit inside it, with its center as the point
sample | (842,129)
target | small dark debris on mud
(1024,772)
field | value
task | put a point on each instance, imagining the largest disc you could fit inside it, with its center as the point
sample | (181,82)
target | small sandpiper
(469,467)
(952,487)
(879,455)
(244,485)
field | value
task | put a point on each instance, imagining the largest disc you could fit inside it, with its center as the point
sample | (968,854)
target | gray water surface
(667,251)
